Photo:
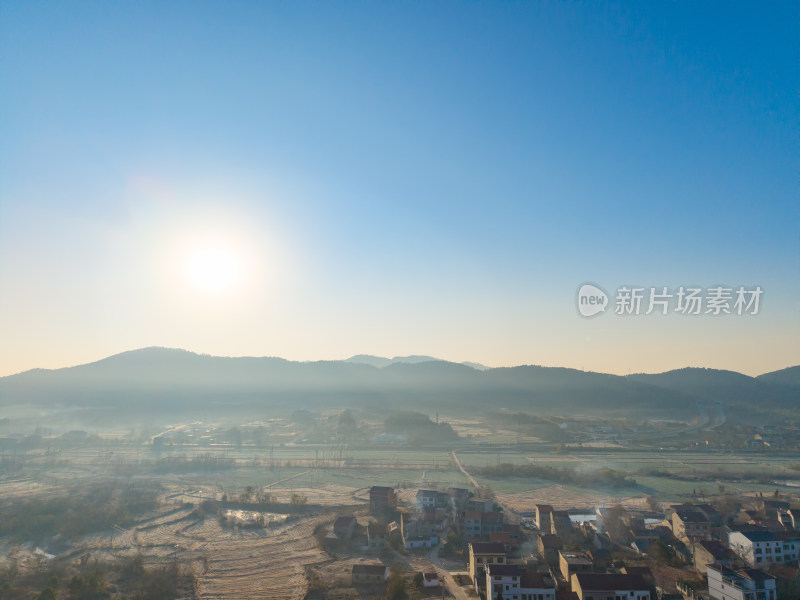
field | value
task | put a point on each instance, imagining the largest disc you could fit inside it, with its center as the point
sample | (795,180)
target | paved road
(442,568)
(466,473)
(511,515)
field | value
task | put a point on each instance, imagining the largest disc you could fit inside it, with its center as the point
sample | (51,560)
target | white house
(427,499)
(762,548)
(746,584)
(512,582)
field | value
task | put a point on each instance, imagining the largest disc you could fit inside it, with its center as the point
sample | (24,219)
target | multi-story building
(574,562)
(417,531)
(548,546)
(512,582)
(376,536)
(790,539)
(482,554)
(543,517)
(745,584)
(477,524)
(709,552)
(603,586)
(381,499)
(691,524)
(458,497)
(471,523)
(762,548)
(426,499)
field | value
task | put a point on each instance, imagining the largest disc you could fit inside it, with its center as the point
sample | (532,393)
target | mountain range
(171,379)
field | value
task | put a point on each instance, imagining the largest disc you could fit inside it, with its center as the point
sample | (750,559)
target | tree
(419,580)
(88,587)
(297,500)
(395,541)
(247,495)
(397,586)
(347,423)
(133,568)
(660,552)
(47,593)
(452,543)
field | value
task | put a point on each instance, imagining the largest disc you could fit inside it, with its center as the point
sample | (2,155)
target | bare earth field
(230,563)
(256,564)
(562,499)
(239,563)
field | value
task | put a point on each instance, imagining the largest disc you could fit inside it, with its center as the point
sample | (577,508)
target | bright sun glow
(213,269)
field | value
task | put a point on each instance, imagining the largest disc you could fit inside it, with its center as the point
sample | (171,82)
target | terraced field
(258,565)
(230,563)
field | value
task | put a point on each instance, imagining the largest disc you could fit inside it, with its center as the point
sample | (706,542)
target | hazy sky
(316,180)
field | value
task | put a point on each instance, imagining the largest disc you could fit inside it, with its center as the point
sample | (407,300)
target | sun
(213,269)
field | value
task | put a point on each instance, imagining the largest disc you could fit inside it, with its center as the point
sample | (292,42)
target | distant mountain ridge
(182,380)
(789,376)
(380,362)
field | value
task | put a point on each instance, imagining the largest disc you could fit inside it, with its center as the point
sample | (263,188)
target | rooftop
(576,558)
(550,540)
(487,548)
(716,549)
(610,581)
(532,580)
(692,516)
(508,570)
(759,536)
(756,575)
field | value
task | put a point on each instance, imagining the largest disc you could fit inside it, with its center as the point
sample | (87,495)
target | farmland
(203,510)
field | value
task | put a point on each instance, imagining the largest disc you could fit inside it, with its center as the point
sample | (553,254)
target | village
(490,513)
(458,544)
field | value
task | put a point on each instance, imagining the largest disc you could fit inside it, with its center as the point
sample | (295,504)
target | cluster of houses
(500,573)
(743,558)
(434,512)
(549,555)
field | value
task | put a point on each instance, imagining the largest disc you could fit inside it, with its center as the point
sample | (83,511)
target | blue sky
(397,178)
